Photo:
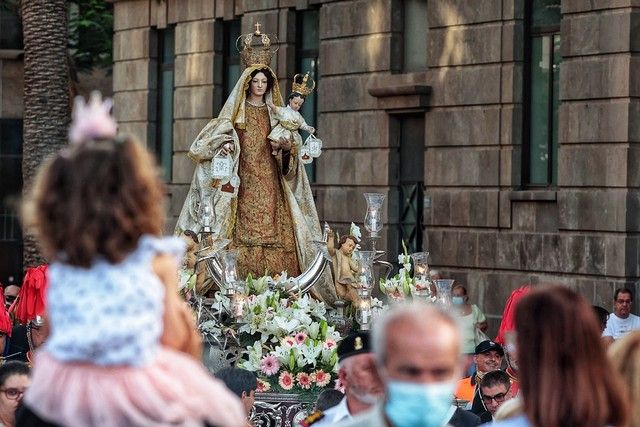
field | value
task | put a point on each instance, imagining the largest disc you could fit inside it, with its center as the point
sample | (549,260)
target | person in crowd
(10,294)
(624,355)
(123,348)
(512,368)
(507,322)
(242,383)
(417,348)
(14,381)
(472,322)
(488,357)
(565,377)
(495,389)
(6,328)
(358,375)
(621,321)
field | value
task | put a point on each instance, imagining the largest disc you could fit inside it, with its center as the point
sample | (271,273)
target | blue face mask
(457,300)
(417,404)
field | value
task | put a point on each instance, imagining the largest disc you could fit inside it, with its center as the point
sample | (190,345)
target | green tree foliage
(90,34)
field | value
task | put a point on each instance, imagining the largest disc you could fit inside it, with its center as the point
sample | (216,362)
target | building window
(10,190)
(540,150)
(231,57)
(414,36)
(10,26)
(307,48)
(164,119)
(410,129)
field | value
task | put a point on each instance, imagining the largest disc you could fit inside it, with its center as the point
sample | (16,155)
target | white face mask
(419,405)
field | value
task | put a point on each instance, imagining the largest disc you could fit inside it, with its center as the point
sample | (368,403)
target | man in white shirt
(621,321)
(358,375)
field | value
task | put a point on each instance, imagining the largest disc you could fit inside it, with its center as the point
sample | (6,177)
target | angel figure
(345,269)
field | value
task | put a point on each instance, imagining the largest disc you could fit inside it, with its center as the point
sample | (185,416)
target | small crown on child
(92,120)
(259,54)
(300,84)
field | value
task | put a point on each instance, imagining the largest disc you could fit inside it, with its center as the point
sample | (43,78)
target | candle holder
(366,259)
(206,215)
(338,318)
(421,274)
(238,301)
(364,314)
(229,264)
(373,217)
(443,296)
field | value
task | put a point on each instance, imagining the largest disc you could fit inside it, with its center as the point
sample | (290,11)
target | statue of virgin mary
(266,208)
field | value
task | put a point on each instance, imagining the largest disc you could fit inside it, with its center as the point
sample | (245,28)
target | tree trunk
(46,93)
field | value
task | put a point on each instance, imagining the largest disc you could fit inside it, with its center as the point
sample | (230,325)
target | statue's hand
(227,148)
(312,130)
(275,146)
(285,144)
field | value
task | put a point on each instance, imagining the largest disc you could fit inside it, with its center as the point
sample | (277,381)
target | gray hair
(419,312)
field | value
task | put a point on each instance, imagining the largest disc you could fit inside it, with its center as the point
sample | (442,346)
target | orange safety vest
(465,389)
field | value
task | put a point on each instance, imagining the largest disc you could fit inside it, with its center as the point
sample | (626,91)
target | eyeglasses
(623,301)
(12,393)
(498,398)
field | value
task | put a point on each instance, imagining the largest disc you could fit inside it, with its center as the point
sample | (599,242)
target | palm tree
(46,92)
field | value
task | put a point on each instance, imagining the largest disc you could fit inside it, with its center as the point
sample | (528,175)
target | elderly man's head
(495,389)
(418,351)
(358,371)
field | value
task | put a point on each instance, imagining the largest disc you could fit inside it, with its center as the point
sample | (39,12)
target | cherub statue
(345,269)
(289,117)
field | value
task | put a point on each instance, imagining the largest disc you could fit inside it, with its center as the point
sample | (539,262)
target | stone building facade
(503,132)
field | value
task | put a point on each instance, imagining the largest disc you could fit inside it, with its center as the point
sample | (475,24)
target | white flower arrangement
(403,285)
(290,344)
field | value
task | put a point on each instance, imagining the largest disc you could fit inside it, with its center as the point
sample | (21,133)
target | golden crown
(301,84)
(256,53)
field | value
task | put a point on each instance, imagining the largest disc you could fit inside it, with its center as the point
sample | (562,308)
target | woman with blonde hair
(565,377)
(624,355)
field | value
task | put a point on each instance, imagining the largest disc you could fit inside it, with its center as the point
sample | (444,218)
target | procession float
(272,290)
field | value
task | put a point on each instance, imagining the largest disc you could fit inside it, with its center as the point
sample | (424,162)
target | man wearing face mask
(417,348)
(358,375)
(473,323)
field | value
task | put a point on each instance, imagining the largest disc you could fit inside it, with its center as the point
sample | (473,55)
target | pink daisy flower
(304,380)
(321,378)
(263,386)
(301,337)
(338,385)
(289,341)
(286,380)
(269,365)
(329,344)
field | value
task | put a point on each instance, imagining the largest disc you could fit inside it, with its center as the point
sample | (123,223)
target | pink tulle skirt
(174,390)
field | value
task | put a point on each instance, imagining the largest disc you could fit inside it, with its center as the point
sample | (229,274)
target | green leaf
(381,286)
(404,248)
(292,360)
(323,329)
